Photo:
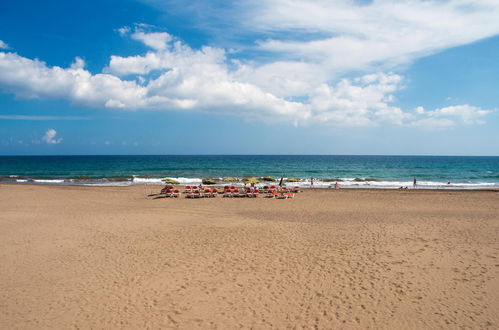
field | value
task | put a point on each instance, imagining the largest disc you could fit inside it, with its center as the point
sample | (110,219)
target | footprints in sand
(275,266)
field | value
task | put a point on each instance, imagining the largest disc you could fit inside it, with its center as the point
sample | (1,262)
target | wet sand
(111,257)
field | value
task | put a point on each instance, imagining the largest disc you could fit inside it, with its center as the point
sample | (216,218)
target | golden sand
(110,257)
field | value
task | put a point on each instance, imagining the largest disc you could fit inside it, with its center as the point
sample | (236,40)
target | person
(311,182)
(336,186)
(165,188)
(414,183)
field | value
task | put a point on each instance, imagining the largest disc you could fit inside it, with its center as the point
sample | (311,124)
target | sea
(387,172)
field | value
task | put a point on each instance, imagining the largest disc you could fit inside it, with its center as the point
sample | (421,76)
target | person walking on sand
(414,183)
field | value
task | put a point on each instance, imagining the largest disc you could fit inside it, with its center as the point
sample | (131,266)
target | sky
(384,77)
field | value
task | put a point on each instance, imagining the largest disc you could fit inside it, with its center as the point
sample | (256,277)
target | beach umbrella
(251,180)
(170,181)
(282,180)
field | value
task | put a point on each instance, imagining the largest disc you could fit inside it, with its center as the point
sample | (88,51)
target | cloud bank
(311,49)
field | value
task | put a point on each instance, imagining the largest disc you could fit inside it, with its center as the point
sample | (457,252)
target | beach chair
(227,193)
(214,192)
(270,193)
(207,193)
(290,195)
(264,190)
(280,195)
(176,193)
(296,189)
(251,193)
(196,194)
(169,193)
(188,189)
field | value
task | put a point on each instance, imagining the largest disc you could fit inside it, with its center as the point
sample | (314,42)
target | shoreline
(158,187)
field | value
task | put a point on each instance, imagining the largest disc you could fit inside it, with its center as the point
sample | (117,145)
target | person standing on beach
(311,182)
(414,183)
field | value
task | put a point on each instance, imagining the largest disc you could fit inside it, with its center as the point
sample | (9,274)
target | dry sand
(103,258)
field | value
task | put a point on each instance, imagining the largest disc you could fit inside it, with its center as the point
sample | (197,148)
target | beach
(115,257)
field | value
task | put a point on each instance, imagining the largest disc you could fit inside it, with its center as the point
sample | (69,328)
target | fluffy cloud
(49,137)
(34,79)
(155,40)
(315,41)
(303,83)
(189,79)
(451,116)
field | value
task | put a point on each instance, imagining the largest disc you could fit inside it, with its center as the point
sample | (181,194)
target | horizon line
(123,155)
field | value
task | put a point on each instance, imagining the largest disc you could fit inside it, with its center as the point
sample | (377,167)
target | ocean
(442,172)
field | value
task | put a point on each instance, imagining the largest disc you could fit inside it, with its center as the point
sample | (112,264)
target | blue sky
(255,77)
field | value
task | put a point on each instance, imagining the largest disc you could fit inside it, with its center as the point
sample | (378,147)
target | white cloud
(358,102)
(49,137)
(155,40)
(124,30)
(452,115)
(343,34)
(78,63)
(34,79)
(3,45)
(190,79)
(302,79)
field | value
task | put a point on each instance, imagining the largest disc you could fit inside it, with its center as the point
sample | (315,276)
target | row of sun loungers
(231,192)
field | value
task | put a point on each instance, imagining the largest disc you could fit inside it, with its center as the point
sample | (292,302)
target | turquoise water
(349,171)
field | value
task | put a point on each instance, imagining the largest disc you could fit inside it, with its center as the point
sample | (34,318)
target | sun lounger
(252,193)
(193,194)
(281,196)
(176,193)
